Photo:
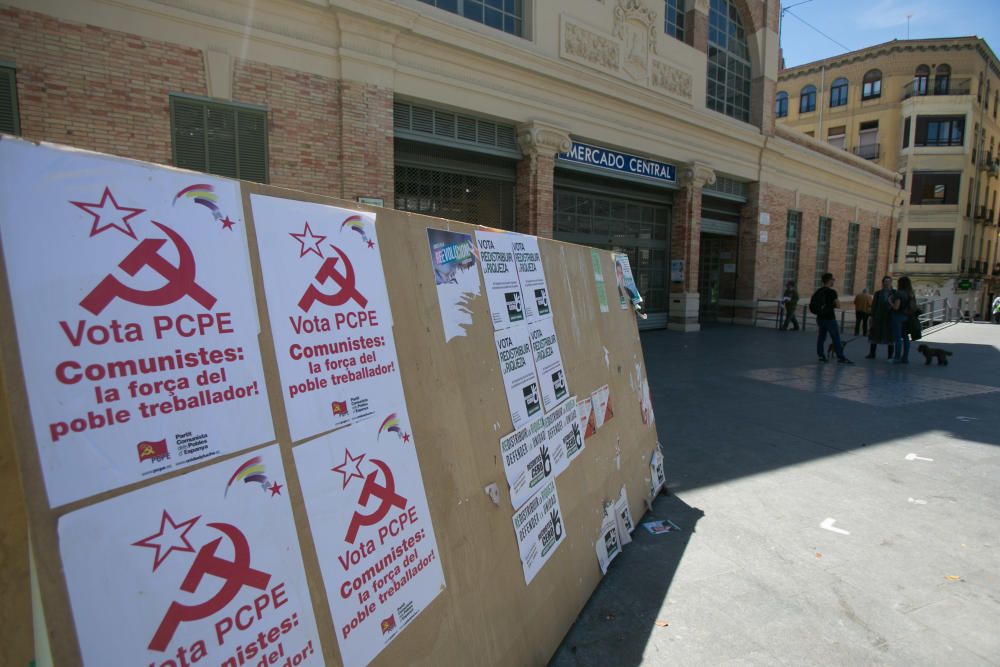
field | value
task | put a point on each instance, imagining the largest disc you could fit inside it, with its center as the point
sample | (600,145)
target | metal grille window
(792,235)
(822,250)
(639,229)
(222,139)
(477,200)
(426,124)
(728,186)
(673,18)
(851,263)
(505,15)
(872,261)
(728,62)
(9,117)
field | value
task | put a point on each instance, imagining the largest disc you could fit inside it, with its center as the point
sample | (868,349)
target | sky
(856,24)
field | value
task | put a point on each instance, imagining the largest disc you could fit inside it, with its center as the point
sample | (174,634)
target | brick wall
(108,91)
(534,195)
(770,257)
(94,88)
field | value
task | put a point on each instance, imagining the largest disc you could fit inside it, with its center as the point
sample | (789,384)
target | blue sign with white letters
(606,158)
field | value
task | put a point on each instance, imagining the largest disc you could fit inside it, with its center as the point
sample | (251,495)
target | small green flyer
(602,296)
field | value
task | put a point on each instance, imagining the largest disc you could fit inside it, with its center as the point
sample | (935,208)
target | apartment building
(926,109)
(645,126)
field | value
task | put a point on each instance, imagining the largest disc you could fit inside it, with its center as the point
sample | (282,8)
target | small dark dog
(934,353)
(831,353)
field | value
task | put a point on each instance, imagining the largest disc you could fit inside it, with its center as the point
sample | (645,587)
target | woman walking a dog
(880,331)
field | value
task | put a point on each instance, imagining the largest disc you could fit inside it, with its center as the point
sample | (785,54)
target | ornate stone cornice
(537,138)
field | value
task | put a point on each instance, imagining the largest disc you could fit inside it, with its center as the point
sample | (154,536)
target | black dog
(934,352)
(831,353)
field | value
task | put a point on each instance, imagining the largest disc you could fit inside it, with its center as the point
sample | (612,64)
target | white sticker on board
(548,363)
(204,568)
(532,277)
(503,290)
(135,315)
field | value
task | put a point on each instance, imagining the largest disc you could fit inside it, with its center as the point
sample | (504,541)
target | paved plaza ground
(830,514)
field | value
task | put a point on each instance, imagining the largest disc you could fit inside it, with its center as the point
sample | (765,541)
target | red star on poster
(406,438)
(308,241)
(112,214)
(371,244)
(275,489)
(348,462)
(227,223)
(172,537)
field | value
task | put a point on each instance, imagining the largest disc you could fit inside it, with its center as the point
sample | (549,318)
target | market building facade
(638,125)
(927,109)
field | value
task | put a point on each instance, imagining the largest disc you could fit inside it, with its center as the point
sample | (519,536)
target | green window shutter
(221,132)
(219,139)
(188,121)
(9,121)
(251,137)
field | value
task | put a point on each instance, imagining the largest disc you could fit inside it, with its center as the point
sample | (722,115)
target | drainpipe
(980,139)
(819,101)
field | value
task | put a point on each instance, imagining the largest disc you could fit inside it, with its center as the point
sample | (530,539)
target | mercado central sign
(605,158)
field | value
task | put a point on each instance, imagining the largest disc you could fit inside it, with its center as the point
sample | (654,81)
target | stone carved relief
(591,47)
(636,26)
(671,80)
(542,139)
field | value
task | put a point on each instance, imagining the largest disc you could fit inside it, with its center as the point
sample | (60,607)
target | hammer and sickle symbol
(345,281)
(180,278)
(237,573)
(386,494)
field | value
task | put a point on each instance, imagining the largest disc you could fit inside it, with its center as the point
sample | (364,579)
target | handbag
(913,326)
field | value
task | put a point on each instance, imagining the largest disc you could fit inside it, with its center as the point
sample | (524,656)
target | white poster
(503,290)
(602,405)
(657,478)
(608,545)
(538,527)
(135,315)
(202,569)
(532,277)
(628,292)
(453,257)
(623,517)
(529,460)
(548,364)
(372,528)
(562,431)
(329,311)
(517,366)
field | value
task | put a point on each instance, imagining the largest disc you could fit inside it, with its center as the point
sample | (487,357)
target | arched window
(838,93)
(920,78)
(942,79)
(781,105)
(807,99)
(871,85)
(728,62)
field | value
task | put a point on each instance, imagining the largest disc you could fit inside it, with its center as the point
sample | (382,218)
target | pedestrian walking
(904,305)
(996,310)
(790,302)
(880,331)
(823,305)
(862,309)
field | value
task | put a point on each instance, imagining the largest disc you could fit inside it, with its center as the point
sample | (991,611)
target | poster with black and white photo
(503,290)
(532,277)
(517,366)
(548,364)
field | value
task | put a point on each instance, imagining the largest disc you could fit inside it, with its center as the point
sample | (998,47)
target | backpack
(817,302)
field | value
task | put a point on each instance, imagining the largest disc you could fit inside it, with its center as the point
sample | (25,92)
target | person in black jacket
(826,320)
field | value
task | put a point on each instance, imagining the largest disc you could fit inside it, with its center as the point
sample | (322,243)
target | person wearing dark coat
(880,329)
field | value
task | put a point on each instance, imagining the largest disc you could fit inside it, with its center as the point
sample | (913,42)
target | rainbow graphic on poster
(203,194)
(390,425)
(251,471)
(356,224)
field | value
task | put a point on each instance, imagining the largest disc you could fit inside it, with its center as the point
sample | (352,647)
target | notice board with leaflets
(247,425)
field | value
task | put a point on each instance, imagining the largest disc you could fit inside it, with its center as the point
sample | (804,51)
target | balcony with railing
(867,151)
(917,88)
